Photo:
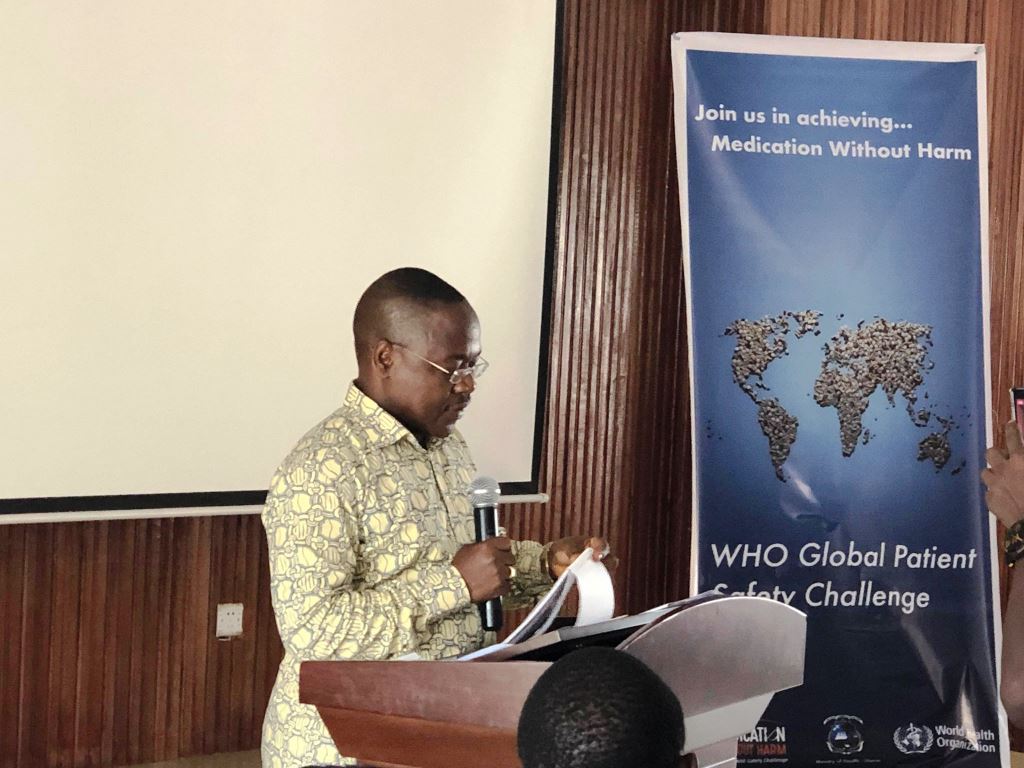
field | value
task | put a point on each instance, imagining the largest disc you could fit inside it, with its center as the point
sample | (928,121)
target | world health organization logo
(913,739)
(844,736)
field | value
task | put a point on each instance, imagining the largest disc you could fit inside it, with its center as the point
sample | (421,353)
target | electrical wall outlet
(229,619)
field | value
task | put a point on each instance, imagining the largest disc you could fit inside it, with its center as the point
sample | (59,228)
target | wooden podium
(724,657)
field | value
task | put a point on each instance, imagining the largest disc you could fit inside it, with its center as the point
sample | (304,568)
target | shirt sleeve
(311,520)
(533,578)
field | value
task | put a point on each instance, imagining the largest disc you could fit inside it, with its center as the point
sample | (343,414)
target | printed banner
(834,211)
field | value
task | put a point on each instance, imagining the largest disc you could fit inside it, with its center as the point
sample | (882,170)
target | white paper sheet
(597,595)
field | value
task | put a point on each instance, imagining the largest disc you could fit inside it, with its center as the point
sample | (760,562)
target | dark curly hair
(600,708)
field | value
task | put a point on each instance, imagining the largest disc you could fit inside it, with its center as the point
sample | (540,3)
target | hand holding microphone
(486,566)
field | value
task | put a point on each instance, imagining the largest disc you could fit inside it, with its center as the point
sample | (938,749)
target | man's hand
(486,567)
(1005,479)
(563,551)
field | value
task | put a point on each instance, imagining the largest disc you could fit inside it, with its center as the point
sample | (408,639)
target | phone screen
(1017,396)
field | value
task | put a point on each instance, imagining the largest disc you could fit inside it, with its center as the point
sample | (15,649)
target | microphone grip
(485,519)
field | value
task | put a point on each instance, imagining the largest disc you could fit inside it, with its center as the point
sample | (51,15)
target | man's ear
(382,358)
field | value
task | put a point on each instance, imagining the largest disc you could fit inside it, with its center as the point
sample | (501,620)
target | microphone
(483,495)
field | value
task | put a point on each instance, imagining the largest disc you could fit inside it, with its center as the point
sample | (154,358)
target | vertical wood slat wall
(107,656)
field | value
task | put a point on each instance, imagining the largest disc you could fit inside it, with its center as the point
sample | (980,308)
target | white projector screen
(196,193)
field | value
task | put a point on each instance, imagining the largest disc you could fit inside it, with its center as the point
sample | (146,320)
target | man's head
(600,708)
(407,325)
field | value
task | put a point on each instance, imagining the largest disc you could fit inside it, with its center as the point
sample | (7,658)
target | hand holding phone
(1017,399)
(1004,477)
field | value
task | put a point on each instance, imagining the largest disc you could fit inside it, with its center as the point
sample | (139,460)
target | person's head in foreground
(600,708)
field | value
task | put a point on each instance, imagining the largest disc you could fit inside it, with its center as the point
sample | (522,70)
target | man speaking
(368,522)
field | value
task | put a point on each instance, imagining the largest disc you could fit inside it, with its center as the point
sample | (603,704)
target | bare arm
(1005,498)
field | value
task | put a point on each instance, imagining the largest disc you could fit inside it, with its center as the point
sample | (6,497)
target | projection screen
(195,195)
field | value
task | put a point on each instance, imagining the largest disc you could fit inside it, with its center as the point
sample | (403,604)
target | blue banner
(833,215)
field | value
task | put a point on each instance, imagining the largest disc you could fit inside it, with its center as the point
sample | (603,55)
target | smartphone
(1017,398)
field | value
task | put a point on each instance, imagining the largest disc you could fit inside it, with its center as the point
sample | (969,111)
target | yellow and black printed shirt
(362,524)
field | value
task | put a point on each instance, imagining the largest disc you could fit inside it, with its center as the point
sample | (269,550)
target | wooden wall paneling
(87,715)
(590,371)
(998,24)
(575,297)
(559,405)
(117,662)
(192,660)
(189,558)
(665,476)
(614,485)
(167,572)
(227,649)
(930,27)
(585,185)
(151,569)
(12,619)
(136,575)
(884,22)
(67,561)
(238,647)
(1004,37)
(643,562)
(244,670)
(33,732)
(953,25)
(155,570)
(182,563)
(109,656)
(200,640)
(976,23)
(221,650)
(776,16)
(837,20)
(215,660)
(957,21)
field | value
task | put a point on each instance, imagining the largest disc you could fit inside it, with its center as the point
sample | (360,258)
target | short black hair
(414,284)
(600,708)
(391,304)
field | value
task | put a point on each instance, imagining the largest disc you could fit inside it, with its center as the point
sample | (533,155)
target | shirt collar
(381,427)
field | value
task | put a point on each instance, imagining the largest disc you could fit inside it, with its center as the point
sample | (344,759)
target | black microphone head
(484,492)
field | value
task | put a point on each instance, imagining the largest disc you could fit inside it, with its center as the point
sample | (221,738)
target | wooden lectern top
(422,714)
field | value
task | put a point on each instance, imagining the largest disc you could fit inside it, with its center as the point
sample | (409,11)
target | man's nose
(465,385)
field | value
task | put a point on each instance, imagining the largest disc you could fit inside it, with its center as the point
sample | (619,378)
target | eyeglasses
(454,377)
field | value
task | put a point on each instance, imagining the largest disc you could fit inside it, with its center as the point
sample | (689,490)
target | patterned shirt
(362,524)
